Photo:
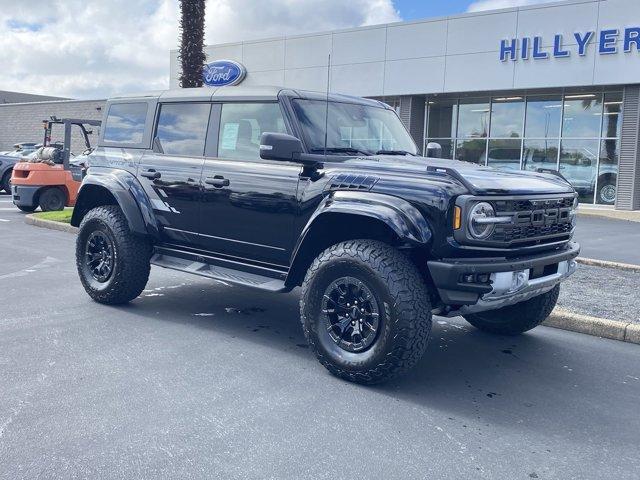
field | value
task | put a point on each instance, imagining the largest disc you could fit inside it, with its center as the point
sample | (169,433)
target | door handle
(218,181)
(152,174)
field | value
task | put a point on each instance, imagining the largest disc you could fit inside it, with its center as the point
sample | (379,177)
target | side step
(218,272)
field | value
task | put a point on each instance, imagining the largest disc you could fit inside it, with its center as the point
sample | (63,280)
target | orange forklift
(48,178)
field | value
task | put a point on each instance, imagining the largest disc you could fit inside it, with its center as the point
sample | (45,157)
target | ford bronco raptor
(276,188)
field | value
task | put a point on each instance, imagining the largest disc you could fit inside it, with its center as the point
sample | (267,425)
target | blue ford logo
(222,73)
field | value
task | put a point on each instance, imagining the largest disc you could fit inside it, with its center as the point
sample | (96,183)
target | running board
(217,272)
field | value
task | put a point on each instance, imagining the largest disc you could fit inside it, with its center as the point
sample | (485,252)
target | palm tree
(191,54)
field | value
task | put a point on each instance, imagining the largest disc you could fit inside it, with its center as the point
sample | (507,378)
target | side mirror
(280,146)
(434,150)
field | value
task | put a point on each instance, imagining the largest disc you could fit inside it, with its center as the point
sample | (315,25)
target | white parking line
(3,220)
(7,209)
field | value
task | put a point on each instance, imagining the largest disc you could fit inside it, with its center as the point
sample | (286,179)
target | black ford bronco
(274,188)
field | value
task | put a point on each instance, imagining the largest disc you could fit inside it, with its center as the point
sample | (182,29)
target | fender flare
(128,193)
(400,216)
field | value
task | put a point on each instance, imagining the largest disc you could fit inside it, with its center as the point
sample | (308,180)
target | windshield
(352,128)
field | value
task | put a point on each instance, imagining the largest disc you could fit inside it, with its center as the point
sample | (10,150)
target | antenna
(326,114)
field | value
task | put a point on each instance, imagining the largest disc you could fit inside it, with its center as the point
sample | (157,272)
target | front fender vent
(351,181)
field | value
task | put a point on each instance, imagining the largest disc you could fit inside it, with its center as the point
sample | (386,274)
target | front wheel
(113,263)
(365,311)
(518,318)
(52,200)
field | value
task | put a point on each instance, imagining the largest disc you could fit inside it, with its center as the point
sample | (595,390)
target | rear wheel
(52,199)
(518,318)
(113,263)
(5,184)
(607,190)
(365,311)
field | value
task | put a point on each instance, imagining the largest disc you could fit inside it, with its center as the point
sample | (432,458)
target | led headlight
(481,220)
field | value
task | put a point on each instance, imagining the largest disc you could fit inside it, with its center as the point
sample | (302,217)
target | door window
(182,128)
(241,126)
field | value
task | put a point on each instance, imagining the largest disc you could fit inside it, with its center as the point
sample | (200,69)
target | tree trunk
(191,54)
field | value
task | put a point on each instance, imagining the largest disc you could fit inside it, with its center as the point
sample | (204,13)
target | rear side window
(241,126)
(182,128)
(125,123)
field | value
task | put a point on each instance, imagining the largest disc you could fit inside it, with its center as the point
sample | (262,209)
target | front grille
(508,234)
(535,220)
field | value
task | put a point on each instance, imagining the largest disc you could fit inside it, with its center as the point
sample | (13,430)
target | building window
(577,134)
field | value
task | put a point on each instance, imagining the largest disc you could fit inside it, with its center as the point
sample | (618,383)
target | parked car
(246,186)
(9,159)
(585,174)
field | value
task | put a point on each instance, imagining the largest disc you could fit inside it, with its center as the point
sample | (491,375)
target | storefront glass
(576,134)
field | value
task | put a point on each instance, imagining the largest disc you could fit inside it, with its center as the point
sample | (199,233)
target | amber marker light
(457,218)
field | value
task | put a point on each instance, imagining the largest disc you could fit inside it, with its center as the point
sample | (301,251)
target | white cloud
(85,49)
(496,4)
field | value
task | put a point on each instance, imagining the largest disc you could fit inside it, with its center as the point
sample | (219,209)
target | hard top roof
(240,93)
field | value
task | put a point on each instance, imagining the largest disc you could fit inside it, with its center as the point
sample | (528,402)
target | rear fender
(102,184)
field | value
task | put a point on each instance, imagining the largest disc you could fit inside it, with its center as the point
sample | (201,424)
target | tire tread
(131,271)
(411,309)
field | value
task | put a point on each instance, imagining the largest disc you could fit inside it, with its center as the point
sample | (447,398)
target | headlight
(481,220)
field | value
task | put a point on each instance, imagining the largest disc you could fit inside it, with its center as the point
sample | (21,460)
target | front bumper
(505,281)
(24,195)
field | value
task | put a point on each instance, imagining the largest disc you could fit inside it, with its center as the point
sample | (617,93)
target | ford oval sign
(223,73)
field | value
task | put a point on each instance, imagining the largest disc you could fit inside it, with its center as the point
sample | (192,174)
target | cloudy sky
(81,49)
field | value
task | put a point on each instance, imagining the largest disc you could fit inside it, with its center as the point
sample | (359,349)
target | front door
(170,174)
(249,204)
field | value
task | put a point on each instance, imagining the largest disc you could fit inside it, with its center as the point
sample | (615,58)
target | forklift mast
(68,123)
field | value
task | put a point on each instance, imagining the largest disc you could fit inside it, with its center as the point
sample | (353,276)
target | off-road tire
(131,263)
(5,184)
(52,200)
(404,309)
(27,208)
(518,318)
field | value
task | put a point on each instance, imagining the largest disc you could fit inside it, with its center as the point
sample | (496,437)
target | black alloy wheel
(99,256)
(351,314)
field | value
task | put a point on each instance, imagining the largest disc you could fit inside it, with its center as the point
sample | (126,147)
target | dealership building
(554,85)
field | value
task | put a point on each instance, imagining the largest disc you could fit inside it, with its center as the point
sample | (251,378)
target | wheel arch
(356,215)
(116,188)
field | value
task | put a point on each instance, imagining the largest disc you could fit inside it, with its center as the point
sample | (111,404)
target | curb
(50,224)
(599,327)
(606,264)
(626,215)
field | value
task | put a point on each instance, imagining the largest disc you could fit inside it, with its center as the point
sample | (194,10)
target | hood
(483,180)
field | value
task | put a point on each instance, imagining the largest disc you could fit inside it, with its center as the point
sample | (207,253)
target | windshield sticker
(230,136)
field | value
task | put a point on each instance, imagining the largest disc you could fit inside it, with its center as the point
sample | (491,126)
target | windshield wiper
(341,150)
(395,152)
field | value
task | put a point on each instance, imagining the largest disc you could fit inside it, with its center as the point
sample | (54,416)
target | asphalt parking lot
(197,379)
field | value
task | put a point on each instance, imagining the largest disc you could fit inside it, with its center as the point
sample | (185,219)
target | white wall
(452,54)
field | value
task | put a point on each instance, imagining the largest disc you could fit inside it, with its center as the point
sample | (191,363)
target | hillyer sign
(605,43)
(222,73)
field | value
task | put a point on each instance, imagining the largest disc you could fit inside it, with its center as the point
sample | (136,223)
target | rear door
(249,204)
(170,173)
